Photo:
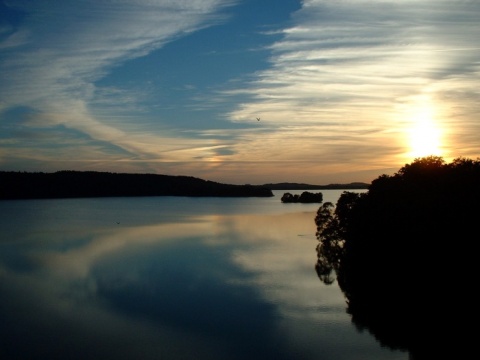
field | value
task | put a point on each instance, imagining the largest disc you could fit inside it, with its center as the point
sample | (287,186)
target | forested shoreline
(404,254)
(70,183)
(75,184)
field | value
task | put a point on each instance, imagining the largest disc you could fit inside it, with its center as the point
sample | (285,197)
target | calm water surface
(170,278)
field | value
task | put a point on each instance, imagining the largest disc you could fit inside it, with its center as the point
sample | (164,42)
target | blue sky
(345,90)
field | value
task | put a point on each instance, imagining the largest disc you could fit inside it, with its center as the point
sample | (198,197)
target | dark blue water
(170,278)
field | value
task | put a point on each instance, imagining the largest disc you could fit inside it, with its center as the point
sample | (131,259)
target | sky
(238,91)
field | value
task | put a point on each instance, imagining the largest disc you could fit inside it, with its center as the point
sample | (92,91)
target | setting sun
(424,135)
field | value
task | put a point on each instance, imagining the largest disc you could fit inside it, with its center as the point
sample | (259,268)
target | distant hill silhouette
(300,186)
(75,184)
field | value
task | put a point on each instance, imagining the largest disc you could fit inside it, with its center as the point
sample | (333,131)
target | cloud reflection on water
(229,286)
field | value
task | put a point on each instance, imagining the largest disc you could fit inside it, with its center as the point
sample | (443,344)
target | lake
(170,278)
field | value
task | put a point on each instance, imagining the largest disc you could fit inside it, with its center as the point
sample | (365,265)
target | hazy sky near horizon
(345,90)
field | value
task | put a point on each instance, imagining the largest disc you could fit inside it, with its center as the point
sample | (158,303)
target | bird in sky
(258,119)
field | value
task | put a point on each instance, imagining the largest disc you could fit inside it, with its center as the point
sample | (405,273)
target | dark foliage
(403,252)
(68,184)
(304,197)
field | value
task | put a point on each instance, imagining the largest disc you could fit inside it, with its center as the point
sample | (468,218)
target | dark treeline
(404,255)
(68,184)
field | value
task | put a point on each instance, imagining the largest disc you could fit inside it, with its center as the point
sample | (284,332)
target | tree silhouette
(76,184)
(397,249)
(304,197)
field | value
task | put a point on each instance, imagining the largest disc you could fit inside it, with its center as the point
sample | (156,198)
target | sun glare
(424,135)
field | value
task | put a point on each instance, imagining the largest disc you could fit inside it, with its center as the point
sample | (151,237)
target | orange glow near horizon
(424,135)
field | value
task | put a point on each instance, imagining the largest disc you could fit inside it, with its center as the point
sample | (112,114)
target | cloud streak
(53,59)
(340,88)
(355,69)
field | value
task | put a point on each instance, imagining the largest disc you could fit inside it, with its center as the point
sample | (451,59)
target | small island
(305,197)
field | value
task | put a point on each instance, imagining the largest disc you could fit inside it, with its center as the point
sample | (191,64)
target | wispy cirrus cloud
(339,88)
(54,55)
(353,72)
